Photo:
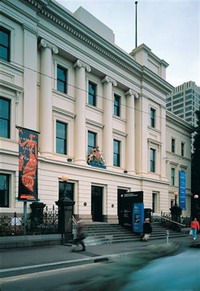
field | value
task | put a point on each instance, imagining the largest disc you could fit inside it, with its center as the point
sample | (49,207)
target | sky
(170,28)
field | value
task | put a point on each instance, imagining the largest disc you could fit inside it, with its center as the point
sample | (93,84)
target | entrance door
(119,203)
(97,203)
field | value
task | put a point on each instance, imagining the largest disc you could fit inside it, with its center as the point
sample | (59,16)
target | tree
(196,170)
(196,158)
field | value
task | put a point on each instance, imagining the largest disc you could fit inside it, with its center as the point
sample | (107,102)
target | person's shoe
(83,250)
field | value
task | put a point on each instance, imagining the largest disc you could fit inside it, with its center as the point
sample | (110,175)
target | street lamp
(64,179)
(175,195)
(196,197)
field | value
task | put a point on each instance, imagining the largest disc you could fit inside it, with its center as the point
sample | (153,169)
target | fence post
(167,236)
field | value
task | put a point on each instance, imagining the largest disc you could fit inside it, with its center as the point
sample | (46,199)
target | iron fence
(15,225)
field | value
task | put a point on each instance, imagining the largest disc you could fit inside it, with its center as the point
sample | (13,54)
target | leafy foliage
(196,158)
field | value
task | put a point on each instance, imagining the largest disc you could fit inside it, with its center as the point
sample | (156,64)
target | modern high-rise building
(184,101)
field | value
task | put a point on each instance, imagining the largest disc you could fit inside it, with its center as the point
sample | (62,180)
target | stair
(104,233)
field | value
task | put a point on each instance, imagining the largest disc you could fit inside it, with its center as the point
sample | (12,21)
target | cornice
(63,18)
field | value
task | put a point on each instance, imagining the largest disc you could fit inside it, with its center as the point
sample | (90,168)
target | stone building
(63,76)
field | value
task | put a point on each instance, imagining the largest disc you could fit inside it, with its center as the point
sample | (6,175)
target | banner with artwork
(28,164)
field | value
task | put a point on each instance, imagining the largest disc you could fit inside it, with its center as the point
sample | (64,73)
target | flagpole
(136,2)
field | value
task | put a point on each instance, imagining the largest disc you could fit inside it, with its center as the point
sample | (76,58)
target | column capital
(108,79)
(131,92)
(81,64)
(44,43)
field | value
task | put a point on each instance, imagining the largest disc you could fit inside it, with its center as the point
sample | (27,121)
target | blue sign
(138,217)
(182,190)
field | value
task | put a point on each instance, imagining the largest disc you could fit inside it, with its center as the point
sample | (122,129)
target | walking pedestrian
(80,235)
(195,227)
(147,229)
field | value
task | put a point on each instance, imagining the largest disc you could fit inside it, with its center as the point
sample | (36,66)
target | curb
(64,264)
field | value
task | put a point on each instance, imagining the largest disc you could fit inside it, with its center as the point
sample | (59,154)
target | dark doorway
(120,206)
(66,189)
(97,203)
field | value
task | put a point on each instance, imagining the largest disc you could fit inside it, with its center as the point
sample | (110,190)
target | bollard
(167,236)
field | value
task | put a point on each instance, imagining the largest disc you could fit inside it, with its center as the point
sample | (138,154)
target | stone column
(46,118)
(163,142)
(80,130)
(107,117)
(30,110)
(130,129)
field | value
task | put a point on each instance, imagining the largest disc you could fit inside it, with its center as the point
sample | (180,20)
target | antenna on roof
(136,2)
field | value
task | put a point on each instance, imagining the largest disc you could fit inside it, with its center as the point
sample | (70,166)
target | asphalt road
(66,279)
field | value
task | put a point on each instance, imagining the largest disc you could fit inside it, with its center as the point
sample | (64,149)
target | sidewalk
(35,259)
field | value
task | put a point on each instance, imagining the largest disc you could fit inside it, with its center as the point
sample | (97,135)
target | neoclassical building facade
(100,113)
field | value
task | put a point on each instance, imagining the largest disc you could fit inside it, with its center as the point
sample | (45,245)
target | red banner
(28,164)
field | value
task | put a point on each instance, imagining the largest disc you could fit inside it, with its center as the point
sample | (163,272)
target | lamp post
(65,206)
(196,197)
(176,210)
(176,195)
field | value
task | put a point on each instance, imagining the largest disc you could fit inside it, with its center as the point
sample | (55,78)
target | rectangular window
(92,138)
(92,94)
(61,138)
(117,100)
(4,190)
(152,160)
(4,118)
(173,145)
(116,153)
(61,79)
(182,149)
(172,176)
(4,44)
(152,117)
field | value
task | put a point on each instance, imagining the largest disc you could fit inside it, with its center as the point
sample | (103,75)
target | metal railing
(166,220)
(14,224)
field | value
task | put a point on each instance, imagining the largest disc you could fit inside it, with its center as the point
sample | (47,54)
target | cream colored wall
(24,90)
(175,160)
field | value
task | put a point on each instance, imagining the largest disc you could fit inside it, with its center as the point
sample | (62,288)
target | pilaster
(108,84)
(80,128)
(46,119)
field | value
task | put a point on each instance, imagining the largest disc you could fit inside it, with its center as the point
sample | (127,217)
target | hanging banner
(28,164)
(182,190)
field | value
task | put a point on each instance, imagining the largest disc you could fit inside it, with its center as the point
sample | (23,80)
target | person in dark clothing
(80,236)
(147,229)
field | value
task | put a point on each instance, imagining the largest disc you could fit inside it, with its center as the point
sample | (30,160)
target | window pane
(116,105)
(92,94)
(4,108)
(61,74)
(61,138)
(116,153)
(4,190)
(91,141)
(60,130)
(4,128)
(4,38)
(61,79)
(61,86)
(3,53)
(152,117)
(60,146)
